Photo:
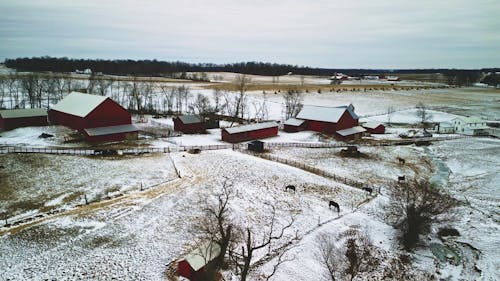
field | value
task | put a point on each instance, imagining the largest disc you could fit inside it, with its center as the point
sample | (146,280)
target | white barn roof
(79,104)
(371,125)
(22,113)
(351,131)
(190,119)
(324,114)
(101,131)
(202,255)
(470,119)
(294,122)
(251,127)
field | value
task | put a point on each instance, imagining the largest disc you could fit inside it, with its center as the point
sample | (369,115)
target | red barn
(193,265)
(328,120)
(83,111)
(294,125)
(189,124)
(350,134)
(374,128)
(16,118)
(249,132)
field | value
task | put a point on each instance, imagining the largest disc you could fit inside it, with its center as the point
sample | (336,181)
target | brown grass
(313,88)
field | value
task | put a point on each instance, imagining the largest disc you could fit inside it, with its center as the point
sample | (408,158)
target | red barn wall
(378,130)
(346,121)
(188,128)
(250,135)
(108,113)
(13,123)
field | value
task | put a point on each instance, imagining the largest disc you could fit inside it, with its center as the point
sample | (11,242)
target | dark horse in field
(334,204)
(368,189)
(290,187)
(401,178)
(401,161)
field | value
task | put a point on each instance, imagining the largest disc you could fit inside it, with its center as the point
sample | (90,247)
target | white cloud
(401,34)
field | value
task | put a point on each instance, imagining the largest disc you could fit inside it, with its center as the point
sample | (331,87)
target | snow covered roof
(294,122)
(202,255)
(251,127)
(79,104)
(371,125)
(101,131)
(446,124)
(190,119)
(351,131)
(470,119)
(20,113)
(324,114)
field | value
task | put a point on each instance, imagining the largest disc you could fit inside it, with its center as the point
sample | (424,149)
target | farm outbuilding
(249,132)
(111,133)
(328,120)
(445,128)
(374,128)
(104,116)
(193,265)
(256,146)
(294,125)
(16,118)
(189,124)
(350,134)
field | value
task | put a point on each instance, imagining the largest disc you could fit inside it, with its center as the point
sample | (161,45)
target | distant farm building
(193,265)
(249,132)
(350,134)
(374,128)
(294,125)
(472,126)
(189,124)
(16,118)
(98,118)
(328,120)
(445,128)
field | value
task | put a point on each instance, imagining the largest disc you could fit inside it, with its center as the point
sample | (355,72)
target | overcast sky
(318,33)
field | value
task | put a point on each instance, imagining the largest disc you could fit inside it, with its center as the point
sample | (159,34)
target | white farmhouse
(472,126)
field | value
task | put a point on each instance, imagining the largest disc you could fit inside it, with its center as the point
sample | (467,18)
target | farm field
(126,232)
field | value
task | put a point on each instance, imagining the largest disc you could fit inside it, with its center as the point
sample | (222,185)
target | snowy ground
(134,237)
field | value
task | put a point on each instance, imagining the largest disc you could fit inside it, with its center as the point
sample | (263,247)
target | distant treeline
(163,68)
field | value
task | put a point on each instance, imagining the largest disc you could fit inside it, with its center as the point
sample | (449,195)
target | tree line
(164,68)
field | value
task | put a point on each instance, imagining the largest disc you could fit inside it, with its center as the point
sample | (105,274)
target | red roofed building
(193,265)
(249,132)
(189,124)
(83,111)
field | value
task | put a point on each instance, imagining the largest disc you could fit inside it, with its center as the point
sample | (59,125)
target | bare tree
(293,103)
(92,83)
(423,114)
(30,86)
(390,112)
(414,206)
(13,84)
(3,86)
(201,105)
(243,258)
(102,86)
(330,256)
(241,82)
(217,95)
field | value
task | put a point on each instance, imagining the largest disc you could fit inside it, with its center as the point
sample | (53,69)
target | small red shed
(193,265)
(189,124)
(111,133)
(374,128)
(328,120)
(15,118)
(294,125)
(350,134)
(250,132)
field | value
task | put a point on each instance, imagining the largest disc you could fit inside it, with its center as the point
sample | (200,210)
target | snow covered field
(134,236)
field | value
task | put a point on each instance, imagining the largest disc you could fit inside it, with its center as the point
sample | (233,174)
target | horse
(401,161)
(291,187)
(334,204)
(368,189)
(401,178)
